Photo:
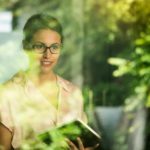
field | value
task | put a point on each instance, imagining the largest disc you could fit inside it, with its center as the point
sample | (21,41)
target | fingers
(97,145)
(92,148)
(80,143)
(71,145)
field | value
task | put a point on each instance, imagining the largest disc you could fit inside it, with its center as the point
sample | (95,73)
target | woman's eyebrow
(38,42)
(45,44)
(54,43)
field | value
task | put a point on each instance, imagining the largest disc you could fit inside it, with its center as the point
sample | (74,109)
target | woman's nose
(47,53)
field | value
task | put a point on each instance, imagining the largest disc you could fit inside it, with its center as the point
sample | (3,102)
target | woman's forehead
(46,36)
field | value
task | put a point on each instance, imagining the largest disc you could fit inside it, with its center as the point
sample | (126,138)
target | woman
(40,99)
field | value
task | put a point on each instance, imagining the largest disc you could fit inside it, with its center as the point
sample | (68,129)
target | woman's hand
(80,145)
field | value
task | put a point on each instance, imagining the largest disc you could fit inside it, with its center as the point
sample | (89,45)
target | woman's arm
(5,138)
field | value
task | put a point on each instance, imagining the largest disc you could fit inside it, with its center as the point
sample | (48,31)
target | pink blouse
(24,110)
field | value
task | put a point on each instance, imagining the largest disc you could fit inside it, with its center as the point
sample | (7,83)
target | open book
(71,131)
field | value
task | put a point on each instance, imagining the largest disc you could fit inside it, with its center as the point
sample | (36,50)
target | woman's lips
(46,63)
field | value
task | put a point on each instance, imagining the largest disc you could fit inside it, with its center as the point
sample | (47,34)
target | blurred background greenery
(106,48)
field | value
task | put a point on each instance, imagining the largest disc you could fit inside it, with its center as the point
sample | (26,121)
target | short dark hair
(37,22)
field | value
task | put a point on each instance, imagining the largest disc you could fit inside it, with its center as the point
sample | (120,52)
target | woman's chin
(46,69)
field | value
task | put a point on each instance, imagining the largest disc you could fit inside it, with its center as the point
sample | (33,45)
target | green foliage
(107,34)
(54,139)
(138,66)
(57,138)
(111,34)
(116,30)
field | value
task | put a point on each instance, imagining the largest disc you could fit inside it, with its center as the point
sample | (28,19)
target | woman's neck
(44,77)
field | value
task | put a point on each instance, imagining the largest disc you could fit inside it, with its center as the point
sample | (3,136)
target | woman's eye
(55,47)
(38,46)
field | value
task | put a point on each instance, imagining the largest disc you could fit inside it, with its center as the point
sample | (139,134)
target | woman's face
(46,49)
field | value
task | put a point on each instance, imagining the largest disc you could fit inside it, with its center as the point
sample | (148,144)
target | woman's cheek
(57,59)
(35,60)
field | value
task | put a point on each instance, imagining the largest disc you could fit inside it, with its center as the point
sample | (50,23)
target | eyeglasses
(41,48)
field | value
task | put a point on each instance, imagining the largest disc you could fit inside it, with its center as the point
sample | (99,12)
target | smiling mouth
(46,63)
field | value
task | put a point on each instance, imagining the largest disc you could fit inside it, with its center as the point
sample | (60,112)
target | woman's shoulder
(17,78)
(12,87)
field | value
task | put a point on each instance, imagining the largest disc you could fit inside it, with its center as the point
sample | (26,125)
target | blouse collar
(63,83)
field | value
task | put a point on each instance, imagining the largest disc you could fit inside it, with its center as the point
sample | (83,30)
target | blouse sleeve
(5,113)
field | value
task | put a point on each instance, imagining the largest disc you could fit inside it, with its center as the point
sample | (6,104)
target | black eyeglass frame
(44,49)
